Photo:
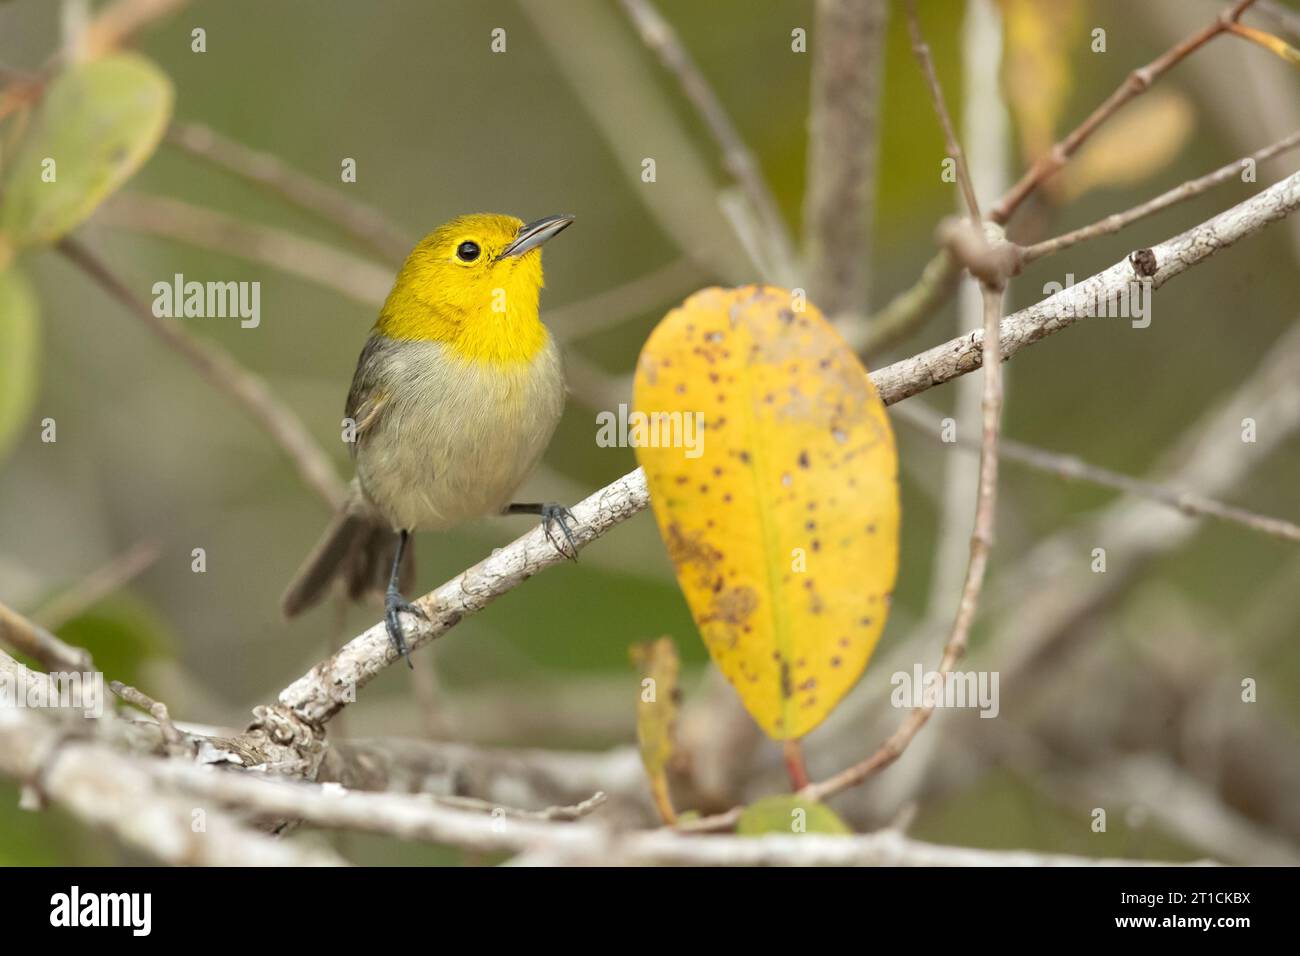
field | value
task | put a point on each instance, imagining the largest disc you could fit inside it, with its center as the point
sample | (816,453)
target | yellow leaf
(1136,143)
(1038,37)
(656,715)
(783,522)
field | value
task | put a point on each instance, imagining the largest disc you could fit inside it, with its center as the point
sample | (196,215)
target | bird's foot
(552,515)
(395,604)
(559,515)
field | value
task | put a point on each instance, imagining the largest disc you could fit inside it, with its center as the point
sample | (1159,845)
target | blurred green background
(439,125)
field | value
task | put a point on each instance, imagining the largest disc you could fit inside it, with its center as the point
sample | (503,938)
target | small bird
(455,397)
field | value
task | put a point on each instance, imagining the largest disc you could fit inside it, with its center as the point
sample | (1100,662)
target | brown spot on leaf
(691,550)
(732,605)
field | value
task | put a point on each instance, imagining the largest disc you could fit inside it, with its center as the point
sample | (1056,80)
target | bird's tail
(354,550)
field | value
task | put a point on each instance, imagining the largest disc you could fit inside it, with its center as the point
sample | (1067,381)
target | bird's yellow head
(473,284)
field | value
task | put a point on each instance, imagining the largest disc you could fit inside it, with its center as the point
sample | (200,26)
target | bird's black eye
(467,251)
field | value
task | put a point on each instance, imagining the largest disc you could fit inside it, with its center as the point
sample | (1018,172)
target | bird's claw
(395,604)
(558,514)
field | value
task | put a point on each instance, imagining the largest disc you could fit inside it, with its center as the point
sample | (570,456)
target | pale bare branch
(839,199)
(1074,468)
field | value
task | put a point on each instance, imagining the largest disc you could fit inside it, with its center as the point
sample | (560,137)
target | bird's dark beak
(535,233)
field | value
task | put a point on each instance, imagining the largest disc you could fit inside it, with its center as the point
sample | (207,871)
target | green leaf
(121,632)
(98,123)
(19,345)
(789,814)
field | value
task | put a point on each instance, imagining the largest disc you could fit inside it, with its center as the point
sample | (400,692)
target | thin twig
(114,575)
(532,777)
(1188,190)
(921,49)
(358,279)
(155,709)
(1135,84)
(1268,41)
(361,221)
(1073,468)
(566,814)
(659,35)
(220,370)
(40,645)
